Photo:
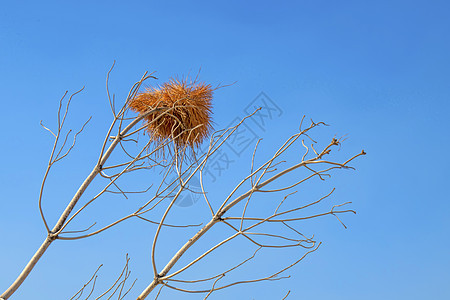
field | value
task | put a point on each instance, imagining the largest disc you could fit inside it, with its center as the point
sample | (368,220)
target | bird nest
(186,115)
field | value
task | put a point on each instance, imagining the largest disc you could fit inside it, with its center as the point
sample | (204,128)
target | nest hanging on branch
(187,119)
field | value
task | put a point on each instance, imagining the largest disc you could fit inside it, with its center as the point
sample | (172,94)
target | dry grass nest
(187,117)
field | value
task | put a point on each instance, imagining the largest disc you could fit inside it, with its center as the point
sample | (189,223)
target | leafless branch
(80,292)
(256,186)
(286,295)
(116,289)
(175,166)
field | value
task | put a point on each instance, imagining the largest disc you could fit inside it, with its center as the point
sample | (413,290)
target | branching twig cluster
(185,164)
(116,291)
(245,226)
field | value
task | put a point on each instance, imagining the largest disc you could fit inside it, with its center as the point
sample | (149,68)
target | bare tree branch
(175,165)
(257,185)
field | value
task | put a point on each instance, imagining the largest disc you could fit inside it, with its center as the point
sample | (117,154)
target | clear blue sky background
(377,71)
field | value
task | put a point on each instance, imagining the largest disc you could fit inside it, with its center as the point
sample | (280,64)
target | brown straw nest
(186,118)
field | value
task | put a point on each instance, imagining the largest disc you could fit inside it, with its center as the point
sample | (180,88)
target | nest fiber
(186,118)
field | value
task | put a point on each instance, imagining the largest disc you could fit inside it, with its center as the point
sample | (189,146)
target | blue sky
(378,72)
